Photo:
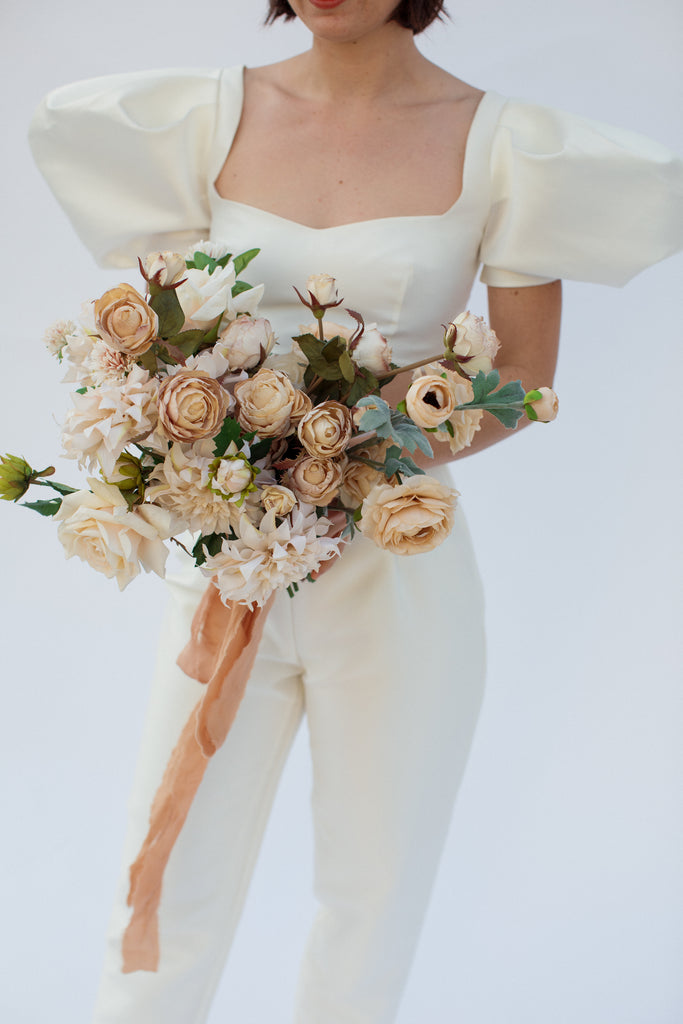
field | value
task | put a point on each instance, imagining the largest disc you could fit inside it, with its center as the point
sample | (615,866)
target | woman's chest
(323,167)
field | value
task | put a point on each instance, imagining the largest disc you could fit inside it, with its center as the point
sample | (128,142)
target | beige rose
(98,527)
(125,320)
(359,479)
(323,287)
(277,499)
(192,405)
(475,345)
(430,400)
(547,406)
(373,351)
(265,402)
(301,407)
(414,516)
(315,480)
(326,430)
(246,342)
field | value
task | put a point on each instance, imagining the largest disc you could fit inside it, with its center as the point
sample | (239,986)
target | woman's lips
(326,4)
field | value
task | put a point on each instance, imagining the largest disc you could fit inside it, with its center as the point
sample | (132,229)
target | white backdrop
(560,896)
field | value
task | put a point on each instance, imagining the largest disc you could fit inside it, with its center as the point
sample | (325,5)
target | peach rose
(277,499)
(430,400)
(326,430)
(192,405)
(415,516)
(359,479)
(316,480)
(125,321)
(265,403)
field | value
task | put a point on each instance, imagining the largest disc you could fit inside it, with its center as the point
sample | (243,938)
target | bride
(362,159)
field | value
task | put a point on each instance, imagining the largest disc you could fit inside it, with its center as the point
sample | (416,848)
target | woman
(403,229)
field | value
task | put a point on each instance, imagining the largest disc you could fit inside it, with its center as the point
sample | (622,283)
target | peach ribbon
(221,653)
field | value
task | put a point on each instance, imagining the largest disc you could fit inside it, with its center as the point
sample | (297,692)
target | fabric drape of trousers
(385,656)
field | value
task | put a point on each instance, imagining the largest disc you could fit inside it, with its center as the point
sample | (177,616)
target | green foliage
(167,307)
(187,342)
(239,287)
(229,432)
(244,259)
(395,462)
(207,544)
(392,424)
(506,404)
(323,356)
(44,508)
(365,383)
(260,449)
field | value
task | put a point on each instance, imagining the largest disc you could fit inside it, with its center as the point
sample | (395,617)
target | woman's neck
(386,62)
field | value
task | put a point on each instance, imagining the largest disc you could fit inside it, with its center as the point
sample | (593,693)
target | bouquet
(260,464)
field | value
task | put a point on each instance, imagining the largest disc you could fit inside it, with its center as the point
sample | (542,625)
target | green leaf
(244,259)
(60,488)
(81,391)
(364,384)
(260,449)
(347,367)
(395,462)
(408,434)
(377,414)
(318,355)
(201,261)
(168,309)
(230,431)
(187,341)
(44,508)
(241,286)
(210,543)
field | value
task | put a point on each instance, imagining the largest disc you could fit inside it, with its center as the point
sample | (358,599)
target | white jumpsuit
(385,655)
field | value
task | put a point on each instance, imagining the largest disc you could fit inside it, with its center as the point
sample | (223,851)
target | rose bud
(277,499)
(15,477)
(430,401)
(541,404)
(323,288)
(125,321)
(372,351)
(246,342)
(163,268)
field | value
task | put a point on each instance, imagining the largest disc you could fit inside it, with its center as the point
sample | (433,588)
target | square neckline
(467,174)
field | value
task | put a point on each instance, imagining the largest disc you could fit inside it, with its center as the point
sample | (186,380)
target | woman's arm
(527,322)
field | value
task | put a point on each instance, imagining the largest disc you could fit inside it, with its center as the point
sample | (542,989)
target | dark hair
(413,14)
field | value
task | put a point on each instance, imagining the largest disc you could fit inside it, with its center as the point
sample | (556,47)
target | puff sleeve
(127,158)
(578,199)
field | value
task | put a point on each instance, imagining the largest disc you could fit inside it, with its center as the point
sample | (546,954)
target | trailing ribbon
(221,653)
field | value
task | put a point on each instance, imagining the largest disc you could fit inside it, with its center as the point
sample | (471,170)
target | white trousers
(386,657)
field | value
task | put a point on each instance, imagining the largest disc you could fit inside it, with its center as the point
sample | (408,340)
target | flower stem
(390,374)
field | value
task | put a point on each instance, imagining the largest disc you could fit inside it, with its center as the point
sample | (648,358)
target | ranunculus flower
(265,402)
(412,517)
(245,342)
(373,351)
(204,296)
(546,407)
(323,287)
(277,499)
(465,422)
(233,474)
(315,480)
(99,528)
(165,268)
(430,400)
(301,407)
(475,345)
(326,430)
(192,405)
(125,321)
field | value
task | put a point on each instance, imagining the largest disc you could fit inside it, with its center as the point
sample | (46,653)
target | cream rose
(430,400)
(265,403)
(323,287)
(203,297)
(475,344)
(326,430)
(301,407)
(246,342)
(315,480)
(413,517)
(373,351)
(125,321)
(98,527)
(164,268)
(277,499)
(192,405)
(547,406)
